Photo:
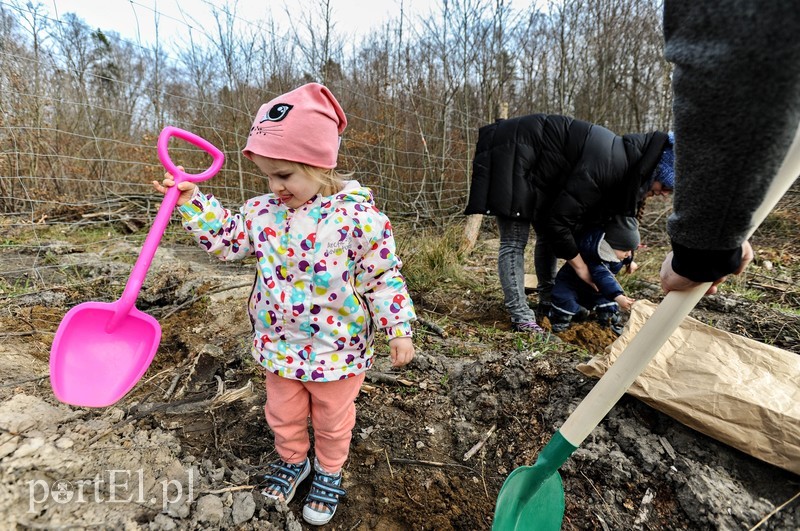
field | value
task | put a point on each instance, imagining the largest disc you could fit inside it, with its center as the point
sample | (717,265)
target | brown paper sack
(736,390)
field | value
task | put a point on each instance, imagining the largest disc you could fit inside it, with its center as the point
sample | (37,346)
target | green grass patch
(16,287)
(432,258)
(785,309)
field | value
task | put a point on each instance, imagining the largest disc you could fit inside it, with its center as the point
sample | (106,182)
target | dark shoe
(543,309)
(581,315)
(610,320)
(559,327)
(560,321)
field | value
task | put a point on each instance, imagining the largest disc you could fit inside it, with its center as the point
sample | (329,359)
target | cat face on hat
(301,126)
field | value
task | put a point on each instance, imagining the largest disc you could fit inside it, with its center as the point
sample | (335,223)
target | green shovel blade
(532,497)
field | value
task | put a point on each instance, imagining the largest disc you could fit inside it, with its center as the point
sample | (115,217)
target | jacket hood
(644,150)
(353,192)
(590,243)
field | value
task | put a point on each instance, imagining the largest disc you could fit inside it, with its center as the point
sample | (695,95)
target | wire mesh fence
(81,109)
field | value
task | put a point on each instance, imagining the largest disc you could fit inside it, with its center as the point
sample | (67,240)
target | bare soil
(433,442)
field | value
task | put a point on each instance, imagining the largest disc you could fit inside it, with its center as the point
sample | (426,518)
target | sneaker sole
(312,518)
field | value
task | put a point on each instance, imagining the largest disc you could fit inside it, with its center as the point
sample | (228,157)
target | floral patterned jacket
(327,277)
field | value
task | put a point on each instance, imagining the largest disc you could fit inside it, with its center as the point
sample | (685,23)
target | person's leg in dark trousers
(544,262)
(511,268)
(564,304)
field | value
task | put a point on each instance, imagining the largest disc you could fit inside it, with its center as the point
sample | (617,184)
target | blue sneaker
(284,478)
(323,498)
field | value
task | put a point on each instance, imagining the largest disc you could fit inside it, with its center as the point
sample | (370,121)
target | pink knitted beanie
(302,126)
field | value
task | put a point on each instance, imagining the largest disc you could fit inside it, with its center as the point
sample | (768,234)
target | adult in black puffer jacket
(561,175)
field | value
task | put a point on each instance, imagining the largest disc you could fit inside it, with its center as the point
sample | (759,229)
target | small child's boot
(581,315)
(543,309)
(559,321)
(610,320)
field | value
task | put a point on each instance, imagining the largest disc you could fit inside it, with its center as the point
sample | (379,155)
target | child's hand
(624,302)
(632,267)
(402,351)
(187,188)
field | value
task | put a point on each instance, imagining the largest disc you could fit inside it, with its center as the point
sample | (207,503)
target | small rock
(217,474)
(17,423)
(209,508)
(180,508)
(29,447)
(64,443)
(215,351)
(244,507)
(239,476)
(227,500)
(115,414)
(8,446)
(719,303)
(162,522)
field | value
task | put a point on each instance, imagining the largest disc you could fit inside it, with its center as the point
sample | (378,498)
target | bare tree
(81,106)
(318,41)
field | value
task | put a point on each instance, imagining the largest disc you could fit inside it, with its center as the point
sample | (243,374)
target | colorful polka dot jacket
(327,278)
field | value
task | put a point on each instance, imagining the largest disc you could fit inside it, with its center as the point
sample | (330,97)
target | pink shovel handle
(134,285)
(202,143)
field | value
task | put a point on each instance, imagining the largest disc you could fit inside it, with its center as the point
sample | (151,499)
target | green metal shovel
(532,497)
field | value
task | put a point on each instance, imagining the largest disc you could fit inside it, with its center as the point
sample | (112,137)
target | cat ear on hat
(342,119)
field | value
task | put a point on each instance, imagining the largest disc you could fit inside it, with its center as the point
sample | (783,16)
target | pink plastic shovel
(102,349)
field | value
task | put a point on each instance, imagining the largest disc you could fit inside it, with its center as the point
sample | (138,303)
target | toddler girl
(326,278)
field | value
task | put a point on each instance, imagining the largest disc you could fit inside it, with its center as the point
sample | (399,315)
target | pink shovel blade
(94,368)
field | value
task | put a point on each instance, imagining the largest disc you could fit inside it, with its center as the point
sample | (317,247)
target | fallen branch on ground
(193,300)
(478,445)
(383,378)
(775,511)
(399,461)
(221,399)
(178,408)
(438,330)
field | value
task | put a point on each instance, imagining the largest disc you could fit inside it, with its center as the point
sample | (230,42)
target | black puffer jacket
(560,174)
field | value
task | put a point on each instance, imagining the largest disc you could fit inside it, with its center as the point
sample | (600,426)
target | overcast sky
(136,19)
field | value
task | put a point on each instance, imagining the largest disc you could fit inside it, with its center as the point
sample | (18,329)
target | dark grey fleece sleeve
(736,107)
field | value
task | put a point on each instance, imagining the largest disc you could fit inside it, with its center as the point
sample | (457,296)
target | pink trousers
(332,408)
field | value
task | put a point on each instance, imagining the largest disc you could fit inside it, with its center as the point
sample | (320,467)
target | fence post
(473,225)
